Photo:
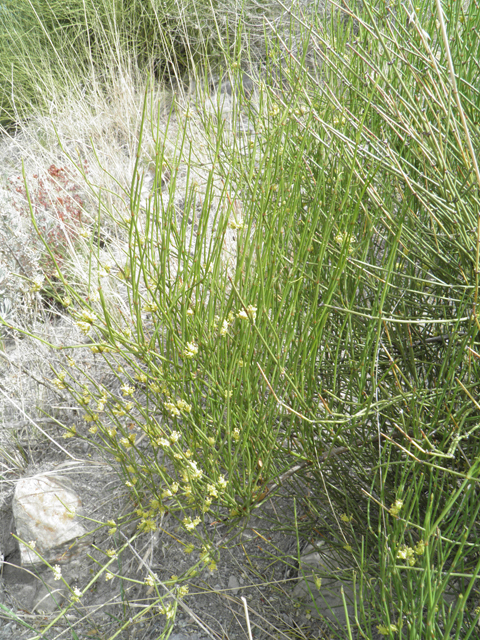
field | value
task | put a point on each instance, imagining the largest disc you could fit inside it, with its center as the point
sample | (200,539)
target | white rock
(45,511)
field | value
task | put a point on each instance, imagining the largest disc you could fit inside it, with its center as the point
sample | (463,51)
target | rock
(48,597)
(233,585)
(24,596)
(45,511)
(13,573)
(7,542)
(328,600)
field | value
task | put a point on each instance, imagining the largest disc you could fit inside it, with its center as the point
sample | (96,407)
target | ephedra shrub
(334,349)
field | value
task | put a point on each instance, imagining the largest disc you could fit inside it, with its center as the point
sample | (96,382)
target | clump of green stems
(48,45)
(336,355)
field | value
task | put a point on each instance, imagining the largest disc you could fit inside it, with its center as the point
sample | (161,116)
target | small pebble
(234,585)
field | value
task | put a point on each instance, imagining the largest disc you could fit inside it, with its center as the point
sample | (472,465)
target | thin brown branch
(33,376)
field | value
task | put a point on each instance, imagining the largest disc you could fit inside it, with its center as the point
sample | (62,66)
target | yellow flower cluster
(59,380)
(172,409)
(249,313)
(226,322)
(224,328)
(100,348)
(165,442)
(385,631)
(168,493)
(407,553)
(146,525)
(235,224)
(274,111)
(182,591)
(83,326)
(119,411)
(420,548)
(150,307)
(36,284)
(87,316)
(212,491)
(168,611)
(128,442)
(191,471)
(184,406)
(86,398)
(151,580)
(156,388)
(102,401)
(190,524)
(340,238)
(395,508)
(126,390)
(191,350)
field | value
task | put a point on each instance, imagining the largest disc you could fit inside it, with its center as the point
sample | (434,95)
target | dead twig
(33,376)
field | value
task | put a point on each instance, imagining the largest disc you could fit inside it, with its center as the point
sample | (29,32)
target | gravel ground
(252,567)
